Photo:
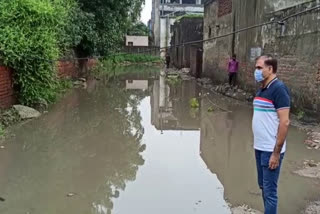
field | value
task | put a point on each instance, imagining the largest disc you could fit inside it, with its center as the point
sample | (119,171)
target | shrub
(29,43)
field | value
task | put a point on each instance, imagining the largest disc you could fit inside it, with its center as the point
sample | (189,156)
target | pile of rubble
(226,90)
(313,140)
(244,209)
(310,169)
(313,208)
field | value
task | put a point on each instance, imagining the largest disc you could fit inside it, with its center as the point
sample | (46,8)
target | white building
(164,13)
(141,41)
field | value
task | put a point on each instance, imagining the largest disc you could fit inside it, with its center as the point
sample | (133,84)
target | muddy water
(133,145)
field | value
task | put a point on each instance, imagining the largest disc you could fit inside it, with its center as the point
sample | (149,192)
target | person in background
(167,59)
(270,126)
(233,67)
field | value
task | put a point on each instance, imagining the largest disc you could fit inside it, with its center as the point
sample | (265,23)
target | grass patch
(64,85)
(106,69)
(2,132)
(132,58)
(192,15)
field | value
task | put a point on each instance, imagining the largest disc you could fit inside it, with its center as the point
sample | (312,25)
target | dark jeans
(168,64)
(268,181)
(232,78)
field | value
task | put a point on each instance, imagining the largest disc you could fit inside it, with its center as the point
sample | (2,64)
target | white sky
(146,12)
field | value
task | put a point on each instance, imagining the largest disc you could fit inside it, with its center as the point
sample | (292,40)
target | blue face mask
(258,75)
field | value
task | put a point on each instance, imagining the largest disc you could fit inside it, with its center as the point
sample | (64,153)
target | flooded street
(134,145)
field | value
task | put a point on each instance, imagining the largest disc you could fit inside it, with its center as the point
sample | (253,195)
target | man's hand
(274,161)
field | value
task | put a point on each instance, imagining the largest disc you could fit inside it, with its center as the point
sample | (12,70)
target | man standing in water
(270,127)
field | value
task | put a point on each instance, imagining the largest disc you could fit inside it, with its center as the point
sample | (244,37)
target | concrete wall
(186,30)
(163,35)
(156,22)
(137,40)
(151,50)
(168,8)
(216,52)
(296,44)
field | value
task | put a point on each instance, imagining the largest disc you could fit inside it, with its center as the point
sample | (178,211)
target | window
(188,1)
(130,44)
(209,34)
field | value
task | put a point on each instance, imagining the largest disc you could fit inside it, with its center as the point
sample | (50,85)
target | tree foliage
(111,21)
(36,33)
(29,38)
(138,29)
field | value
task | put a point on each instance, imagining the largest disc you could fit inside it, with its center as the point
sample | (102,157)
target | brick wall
(6,87)
(225,7)
(66,69)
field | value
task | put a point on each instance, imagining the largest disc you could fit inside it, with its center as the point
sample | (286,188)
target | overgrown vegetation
(29,33)
(174,80)
(191,15)
(34,34)
(194,103)
(138,29)
(1,131)
(132,58)
(106,70)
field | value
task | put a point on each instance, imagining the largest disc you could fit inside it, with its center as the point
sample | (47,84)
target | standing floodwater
(134,145)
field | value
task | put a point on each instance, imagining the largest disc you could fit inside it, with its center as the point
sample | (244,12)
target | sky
(146,12)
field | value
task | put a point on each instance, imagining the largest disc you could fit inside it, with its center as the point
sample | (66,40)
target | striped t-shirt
(275,96)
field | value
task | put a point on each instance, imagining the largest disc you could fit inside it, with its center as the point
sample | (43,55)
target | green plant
(211,109)
(194,103)
(192,15)
(174,80)
(300,114)
(29,43)
(130,58)
(110,21)
(64,84)
(138,29)
(2,132)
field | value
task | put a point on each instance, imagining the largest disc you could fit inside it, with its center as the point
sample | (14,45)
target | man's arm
(284,123)
(282,130)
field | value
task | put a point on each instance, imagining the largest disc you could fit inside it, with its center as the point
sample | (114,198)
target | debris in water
(310,169)
(194,103)
(71,194)
(312,164)
(2,147)
(210,109)
(2,199)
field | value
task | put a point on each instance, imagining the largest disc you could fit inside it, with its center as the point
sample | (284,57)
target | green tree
(138,29)
(29,40)
(110,23)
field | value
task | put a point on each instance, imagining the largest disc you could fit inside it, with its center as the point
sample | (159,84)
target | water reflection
(226,148)
(104,145)
(89,144)
(170,106)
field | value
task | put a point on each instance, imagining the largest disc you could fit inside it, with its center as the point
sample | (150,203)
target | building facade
(295,42)
(141,41)
(164,13)
(187,29)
